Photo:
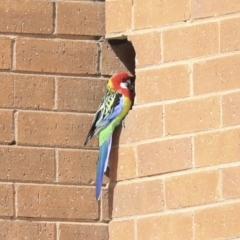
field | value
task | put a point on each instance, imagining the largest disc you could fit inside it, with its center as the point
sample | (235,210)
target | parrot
(111,112)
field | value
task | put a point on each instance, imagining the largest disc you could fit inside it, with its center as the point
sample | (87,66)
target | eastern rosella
(111,112)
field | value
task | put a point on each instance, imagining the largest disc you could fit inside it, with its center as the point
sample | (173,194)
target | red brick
(10,230)
(87,18)
(231,182)
(165,156)
(189,42)
(217,148)
(147,47)
(192,189)
(6,126)
(6,200)
(221,222)
(77,166)
(122,230)
(205,8)
(83,232)
(118,15)
(6,90)
(137,198)
(26,16)
(122,163)
(224,74)
(230,34)
(62,202)
(53,129)
(231,108)
(80,94)
(34,92)
(192,115)
(154,13)
(51,55)
(137,127)
(27,164)
(117,58)
(167,227)
(6,51)
(163,83)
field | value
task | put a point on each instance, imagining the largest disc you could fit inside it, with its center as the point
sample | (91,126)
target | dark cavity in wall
(124,50)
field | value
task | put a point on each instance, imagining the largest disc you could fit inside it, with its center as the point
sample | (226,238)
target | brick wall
(179,156)
(175,174)
(51,83)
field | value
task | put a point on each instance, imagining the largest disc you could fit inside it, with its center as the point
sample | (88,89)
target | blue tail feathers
(103,159)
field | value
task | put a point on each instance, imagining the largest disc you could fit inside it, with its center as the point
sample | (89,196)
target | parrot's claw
(123,124)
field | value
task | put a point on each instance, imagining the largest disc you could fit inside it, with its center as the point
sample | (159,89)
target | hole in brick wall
(124,50)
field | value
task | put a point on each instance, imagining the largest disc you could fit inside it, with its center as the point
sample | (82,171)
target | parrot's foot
(123,123)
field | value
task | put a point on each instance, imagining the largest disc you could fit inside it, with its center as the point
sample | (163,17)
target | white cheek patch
(123,85)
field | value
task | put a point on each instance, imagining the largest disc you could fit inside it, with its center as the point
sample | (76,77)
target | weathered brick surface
(121,230)
(118,17)
(83,232)
(122,163)
(10,230)
(188,42)
(154,13)
(6,200)
(221,222)
(231,109)
(205,8)
(192,189)
(165,156)
(26,16)
(33,92)
(77,166)
(192,115)
(170,226)
(27,164)
(137,198)
(6,53)
(53,129)
(147,47)
(82,95)
(230,34)
(6,126)
(162,84)
(224,74)
(137,128)
(231,182)
(63,202)
(6,90)
(50,55)
(117,58)
(216,148)
(87,18)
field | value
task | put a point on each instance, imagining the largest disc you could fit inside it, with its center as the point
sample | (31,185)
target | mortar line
(179,210)
(55,93)
(167,175)
(176,25)
(56,153)
(54,16)
(13,49)
(57,230)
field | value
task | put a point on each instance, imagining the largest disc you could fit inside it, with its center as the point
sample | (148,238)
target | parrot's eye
(123,80)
